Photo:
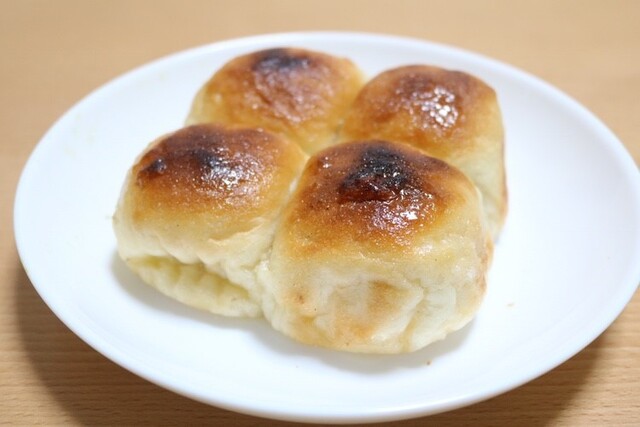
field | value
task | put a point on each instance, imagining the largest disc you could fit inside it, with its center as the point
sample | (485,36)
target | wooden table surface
(55,52)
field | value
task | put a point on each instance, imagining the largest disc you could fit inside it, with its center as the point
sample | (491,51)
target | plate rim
(115,354)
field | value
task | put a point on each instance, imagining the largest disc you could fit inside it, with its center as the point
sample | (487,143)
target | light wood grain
(54,53)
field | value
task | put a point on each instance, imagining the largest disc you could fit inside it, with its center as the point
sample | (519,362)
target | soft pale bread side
(450,115)
(381,249)
(198,210)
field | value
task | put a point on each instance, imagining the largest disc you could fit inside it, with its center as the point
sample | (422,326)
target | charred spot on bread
(381,174)
(280,60)
(155,168)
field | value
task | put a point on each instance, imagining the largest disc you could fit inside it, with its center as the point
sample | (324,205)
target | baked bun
(198,211)
(379,242)
(299,94)
(381,249)
(448,114)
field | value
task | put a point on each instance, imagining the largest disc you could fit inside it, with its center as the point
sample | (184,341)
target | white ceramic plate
(566,265)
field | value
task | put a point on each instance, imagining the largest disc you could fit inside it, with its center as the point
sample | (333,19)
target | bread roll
(381,249)
(299,94)
(198,211)
(448,114)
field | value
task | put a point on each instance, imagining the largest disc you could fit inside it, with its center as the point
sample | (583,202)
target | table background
(55,52)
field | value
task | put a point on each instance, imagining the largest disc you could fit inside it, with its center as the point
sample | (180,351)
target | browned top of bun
(371,193)
(426,106)
(298,93)
(213,171)
(284,83)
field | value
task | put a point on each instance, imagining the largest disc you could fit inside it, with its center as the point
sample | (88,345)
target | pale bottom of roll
(196,286)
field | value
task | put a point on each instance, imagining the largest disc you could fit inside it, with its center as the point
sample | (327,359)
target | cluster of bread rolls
(352,215)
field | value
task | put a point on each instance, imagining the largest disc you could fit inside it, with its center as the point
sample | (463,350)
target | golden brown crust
(370,192)
(429,107)
(211,171)
(298,93)
(204,165)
